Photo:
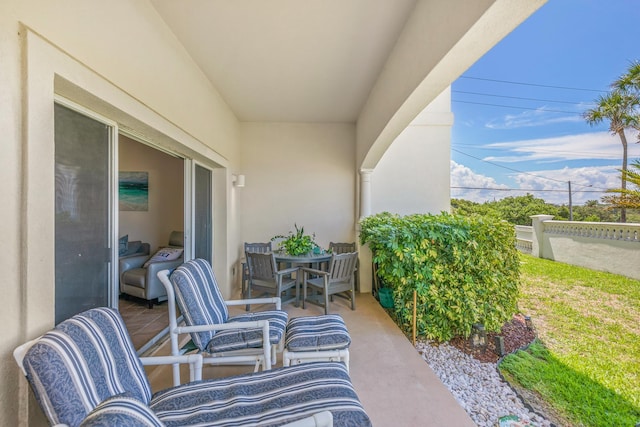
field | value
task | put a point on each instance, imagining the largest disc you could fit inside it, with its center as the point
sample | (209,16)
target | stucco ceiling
(289,60)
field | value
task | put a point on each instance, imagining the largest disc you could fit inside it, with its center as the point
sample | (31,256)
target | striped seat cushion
(249,338)
(317,333)
(83,361)
(266,398)
(201,302)
(199,298)
(122,410)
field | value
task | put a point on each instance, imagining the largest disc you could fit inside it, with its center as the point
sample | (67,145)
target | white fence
(603,246)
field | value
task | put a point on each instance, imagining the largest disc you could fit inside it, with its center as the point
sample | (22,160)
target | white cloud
(596,145)
(587,183)
(532,118)
(462,176)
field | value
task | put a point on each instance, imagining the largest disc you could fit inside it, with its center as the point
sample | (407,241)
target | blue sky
(543,142)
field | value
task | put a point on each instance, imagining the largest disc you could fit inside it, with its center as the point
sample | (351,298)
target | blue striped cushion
(249,338)
(266,398)
(313,333)
(82,362)
(122,410)
(199,298)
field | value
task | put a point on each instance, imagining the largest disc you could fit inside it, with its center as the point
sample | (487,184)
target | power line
(516,107)
(528,189)
(513,97)
(531,84)
(476,147)
(506,167)
(527,173)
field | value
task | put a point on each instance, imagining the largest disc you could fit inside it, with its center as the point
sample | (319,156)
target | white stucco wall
(413,174)
(119,59)
(298,173)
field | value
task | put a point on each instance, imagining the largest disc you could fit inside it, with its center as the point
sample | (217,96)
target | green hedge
(465,270)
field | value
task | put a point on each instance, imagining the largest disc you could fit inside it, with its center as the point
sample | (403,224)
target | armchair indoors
(139,274)
(85,372)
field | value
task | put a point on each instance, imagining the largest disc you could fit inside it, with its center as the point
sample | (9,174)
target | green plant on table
(297,243)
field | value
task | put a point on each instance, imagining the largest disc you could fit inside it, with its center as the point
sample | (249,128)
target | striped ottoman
(316,338)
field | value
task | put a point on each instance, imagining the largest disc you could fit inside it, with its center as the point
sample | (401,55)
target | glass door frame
(189,207)
(112,191)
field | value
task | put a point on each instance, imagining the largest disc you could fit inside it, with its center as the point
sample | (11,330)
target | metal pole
(570,204)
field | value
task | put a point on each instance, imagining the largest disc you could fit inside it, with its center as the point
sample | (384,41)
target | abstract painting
(133,191)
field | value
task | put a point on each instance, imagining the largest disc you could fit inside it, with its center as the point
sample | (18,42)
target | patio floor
(395,386)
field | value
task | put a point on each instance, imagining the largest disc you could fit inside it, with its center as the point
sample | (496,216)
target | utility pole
(570,204)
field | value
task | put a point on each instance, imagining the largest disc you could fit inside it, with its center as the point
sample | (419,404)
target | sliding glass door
(83,214)
(202,218)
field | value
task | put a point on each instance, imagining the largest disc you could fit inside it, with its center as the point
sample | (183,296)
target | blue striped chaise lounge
(219,337)
(86,372)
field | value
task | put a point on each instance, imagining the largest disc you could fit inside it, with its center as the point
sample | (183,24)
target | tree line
(518,210)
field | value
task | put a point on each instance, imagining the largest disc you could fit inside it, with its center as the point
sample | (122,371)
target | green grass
(587,362)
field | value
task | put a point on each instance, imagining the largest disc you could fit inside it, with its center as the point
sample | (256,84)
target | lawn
(587,361)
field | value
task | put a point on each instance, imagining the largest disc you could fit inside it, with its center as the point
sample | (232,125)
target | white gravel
(477,386)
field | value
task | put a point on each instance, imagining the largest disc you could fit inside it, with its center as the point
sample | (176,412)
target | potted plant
(297,243)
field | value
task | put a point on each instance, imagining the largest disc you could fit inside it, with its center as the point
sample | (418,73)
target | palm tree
(630,81)
(626,198)
(620,109)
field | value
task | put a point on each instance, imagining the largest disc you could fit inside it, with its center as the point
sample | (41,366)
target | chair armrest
(224,326)
(273,300)
(288,270)
(155,267)
(194,361)
(307,270)
(132,262)
(321,419)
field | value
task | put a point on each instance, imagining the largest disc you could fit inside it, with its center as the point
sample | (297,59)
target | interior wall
(413,174)
(166,193)
(300,174)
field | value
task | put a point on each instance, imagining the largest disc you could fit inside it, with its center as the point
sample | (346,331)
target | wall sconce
(478,336)
(238,180)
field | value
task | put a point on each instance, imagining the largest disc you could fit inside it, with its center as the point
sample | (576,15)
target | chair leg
(248,307)
(353,299)
(326,302)
(150,303)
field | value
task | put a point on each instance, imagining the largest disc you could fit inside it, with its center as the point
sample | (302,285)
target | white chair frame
(264,356)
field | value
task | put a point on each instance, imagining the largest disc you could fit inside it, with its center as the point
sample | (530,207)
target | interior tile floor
(142,322)
(395,386)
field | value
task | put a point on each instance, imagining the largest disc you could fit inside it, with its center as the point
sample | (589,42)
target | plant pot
(386,297)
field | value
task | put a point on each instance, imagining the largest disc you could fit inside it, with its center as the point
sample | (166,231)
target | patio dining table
(313,260)
(307,259)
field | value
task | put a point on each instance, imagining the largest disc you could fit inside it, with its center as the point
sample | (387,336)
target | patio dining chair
(250,338)
(344,247)
(252,247)
(85,372)
(264,276)
(338,280)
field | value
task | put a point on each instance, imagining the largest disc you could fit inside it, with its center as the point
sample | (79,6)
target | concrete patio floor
(395,385)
